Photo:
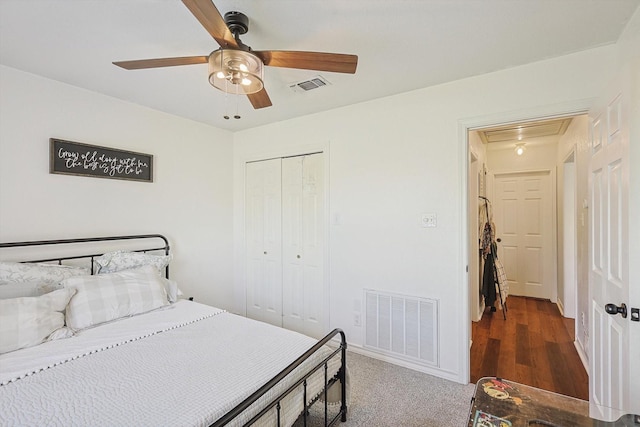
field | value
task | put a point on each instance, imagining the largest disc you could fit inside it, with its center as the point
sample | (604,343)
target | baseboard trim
(583,356)
(440,373)
(560,307)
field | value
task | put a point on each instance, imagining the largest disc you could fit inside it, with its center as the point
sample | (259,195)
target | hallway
(534,346)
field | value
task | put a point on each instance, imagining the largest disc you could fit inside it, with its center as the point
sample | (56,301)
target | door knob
(614,309)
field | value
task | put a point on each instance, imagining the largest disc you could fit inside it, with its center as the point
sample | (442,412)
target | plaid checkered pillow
(106,297)
(28,321)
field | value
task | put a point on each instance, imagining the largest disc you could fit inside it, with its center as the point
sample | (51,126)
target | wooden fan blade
(161,62)
(209,16)
(260,99)
(336,62)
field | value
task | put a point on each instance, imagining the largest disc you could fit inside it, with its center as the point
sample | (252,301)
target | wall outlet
(429,220)
(356,319)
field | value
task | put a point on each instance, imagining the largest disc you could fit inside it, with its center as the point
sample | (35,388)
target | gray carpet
(383,394)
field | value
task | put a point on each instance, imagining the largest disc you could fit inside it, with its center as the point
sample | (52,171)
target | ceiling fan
(235,67)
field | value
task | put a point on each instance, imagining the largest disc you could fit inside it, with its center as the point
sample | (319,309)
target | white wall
(567,255)
(190,200)
(576,139)
(540,154)
(394,158)
(478,147)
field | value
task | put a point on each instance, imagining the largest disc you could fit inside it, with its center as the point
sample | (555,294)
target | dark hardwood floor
(534,346)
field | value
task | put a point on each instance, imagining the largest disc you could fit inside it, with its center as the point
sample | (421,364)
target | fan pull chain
(237,116)
(226,99)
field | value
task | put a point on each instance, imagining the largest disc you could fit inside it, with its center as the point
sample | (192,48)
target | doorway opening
(533,176)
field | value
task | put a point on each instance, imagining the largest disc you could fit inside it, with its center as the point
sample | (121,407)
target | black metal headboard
(152,240)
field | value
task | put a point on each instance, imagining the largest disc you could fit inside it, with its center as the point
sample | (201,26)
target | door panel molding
(609,254)
(525,217)
(273,151)
(285,237)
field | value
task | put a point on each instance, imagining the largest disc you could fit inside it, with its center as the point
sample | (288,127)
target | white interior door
(523,217)
(303,243)
(284,225)
(609,260)
(263,227)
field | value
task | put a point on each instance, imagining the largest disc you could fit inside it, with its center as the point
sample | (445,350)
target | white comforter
(185,365)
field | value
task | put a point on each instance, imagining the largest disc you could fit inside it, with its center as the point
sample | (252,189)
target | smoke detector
(310,84)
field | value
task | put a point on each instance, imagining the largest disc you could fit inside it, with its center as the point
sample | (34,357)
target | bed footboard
(341,377)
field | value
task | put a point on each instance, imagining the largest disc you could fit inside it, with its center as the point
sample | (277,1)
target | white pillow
(122,260)
(26,289)
(18,272)
(173,291)
(106,297)
(25,322)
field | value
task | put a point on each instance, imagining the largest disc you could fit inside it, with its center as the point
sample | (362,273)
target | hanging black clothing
(488,281)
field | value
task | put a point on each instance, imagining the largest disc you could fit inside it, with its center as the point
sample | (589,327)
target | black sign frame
(76,158)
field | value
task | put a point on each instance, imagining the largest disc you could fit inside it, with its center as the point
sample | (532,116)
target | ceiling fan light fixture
(236,71)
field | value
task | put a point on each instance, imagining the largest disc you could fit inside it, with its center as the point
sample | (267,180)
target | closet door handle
(298,256)
(265,252)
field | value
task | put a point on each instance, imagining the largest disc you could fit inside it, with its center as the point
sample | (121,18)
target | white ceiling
(402,45)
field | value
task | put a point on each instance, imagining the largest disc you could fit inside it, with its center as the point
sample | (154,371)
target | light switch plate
(429,220)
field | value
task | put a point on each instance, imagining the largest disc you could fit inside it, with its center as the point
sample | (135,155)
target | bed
(131,351)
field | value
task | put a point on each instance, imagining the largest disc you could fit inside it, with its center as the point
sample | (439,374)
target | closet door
(263,213)
(303,243)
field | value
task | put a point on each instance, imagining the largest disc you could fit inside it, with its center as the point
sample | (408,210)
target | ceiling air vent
(307,85)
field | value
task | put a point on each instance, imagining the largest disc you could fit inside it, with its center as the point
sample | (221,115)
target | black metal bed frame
(231,415)
(92,256)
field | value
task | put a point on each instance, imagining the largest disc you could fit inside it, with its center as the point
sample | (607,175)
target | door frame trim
(466,124)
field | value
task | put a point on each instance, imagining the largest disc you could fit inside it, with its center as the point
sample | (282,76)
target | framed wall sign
(75,158)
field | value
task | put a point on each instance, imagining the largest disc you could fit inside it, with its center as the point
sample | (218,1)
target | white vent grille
(402,326)
(310,84)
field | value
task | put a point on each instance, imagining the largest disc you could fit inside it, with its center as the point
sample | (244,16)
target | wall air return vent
(402,326)
(307,85)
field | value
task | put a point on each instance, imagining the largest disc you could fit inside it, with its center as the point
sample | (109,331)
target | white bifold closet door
(263,222)
(285,254)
